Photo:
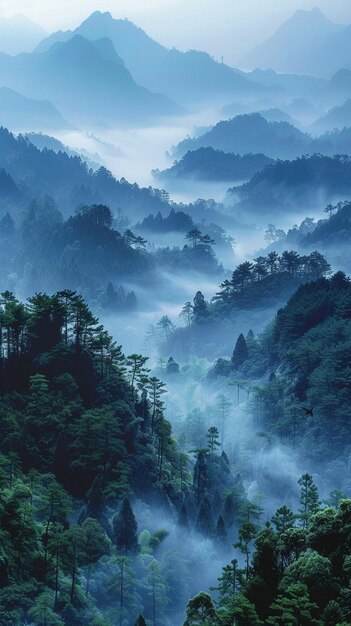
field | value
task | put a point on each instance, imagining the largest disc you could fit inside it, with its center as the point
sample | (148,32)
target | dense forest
(294,185)
(175,362)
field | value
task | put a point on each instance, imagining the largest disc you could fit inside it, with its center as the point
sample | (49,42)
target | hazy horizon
(226,28)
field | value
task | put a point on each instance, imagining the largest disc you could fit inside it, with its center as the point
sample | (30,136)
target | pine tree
(172,366)
(96,506)
(293,607)
(200,309)
(247,534)
(213,439)
(283,519)
(125,529)
(309,499)
(228,583)
(240,353)
(200,611)
(140,621)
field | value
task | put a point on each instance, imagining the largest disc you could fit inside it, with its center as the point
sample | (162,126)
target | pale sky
(222,27)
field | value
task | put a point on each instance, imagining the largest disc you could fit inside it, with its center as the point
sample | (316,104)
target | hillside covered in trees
(210,164)
(294,185)
(84,442)
(33,173)
(295,567)
(250,296)
(175,362)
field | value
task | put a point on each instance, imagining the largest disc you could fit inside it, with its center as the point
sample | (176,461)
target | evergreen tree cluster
(307,353)
(265,276)
(79,421)
(296,569)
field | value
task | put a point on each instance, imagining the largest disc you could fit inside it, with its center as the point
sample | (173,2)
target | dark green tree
(200,611)
(213,440)
(309,499)
(240,353)
(125,529)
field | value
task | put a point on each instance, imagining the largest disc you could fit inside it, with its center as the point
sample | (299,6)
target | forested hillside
(210,164)
(84,439)
(175,362)
(68,180)
(295,568)
(248,297)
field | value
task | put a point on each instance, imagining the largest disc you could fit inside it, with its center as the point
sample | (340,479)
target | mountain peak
(296,46)
(100,15)
(304,17)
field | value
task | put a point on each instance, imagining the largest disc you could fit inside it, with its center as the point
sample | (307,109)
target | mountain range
(306,43)
(19,34)
(87,80)
(185,77)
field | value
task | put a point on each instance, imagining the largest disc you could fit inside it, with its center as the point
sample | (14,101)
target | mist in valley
(175,413)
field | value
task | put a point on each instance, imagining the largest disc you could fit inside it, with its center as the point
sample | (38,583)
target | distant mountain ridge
(306,43)
(21,113)
(87,81)
(215,165)
(19,34)
(336,118)
(250,133)
(185,77)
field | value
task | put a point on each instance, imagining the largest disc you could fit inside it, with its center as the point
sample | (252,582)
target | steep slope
(88,82)
(69,182)
(299,46)
(186,77)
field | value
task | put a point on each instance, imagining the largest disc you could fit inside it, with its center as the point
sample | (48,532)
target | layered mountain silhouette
(336,118)
(250,133)
(185,77)
(295,84)
(335,91)
(21,113)
(306,182)
(87,80)
(210,164)
(19,34)
(306,43)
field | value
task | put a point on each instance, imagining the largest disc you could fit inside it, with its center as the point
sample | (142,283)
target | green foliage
(200,611)
(240,354)
(293,608)
(267,276)
(125,529)
(309,499)
(78,420)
